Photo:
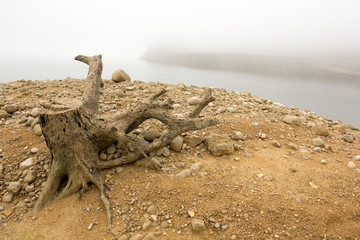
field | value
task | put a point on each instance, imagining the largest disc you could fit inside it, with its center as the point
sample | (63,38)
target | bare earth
(276,184)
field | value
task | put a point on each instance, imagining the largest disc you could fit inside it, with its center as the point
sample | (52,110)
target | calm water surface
(335,100)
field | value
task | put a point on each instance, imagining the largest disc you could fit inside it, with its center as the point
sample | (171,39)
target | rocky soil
(266,172)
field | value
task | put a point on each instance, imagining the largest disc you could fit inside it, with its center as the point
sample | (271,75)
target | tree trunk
(75,134)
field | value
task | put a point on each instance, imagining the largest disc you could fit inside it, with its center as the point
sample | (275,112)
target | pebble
(111,149)
(14,187)
(176,143)
(197,225)
(357,157)
(351,165)
(9,108)
(3,114)
(183,174)
(34,150)
(30,176)
(276,144)
(7,197)
(219,145)
(349,138)
(146,225)
(292,120)
(37,130)
(317,142)
(193,100)
(27,163)
(165,152)
(151,134)
(239,136)
(313,185)
(320,130)
(323,161)
(191,213)
(196,166)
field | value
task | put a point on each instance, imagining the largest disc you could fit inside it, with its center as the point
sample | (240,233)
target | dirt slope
(278,183)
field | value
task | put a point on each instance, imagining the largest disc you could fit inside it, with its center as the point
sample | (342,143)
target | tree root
(75,134)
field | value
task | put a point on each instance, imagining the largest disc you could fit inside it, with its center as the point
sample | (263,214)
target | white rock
(34,150)
(357,157)
(27,163)
(193,100)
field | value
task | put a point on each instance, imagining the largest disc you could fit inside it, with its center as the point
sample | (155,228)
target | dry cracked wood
(75,135)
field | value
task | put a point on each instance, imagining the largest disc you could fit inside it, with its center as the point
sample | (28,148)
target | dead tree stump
(76,133)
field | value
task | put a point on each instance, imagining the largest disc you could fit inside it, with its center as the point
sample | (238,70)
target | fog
(63,29)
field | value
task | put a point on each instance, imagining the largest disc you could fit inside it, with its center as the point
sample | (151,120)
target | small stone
(317,142)
(292,120)
(9,108)
(193,100)
(120,76)
(191,213)
(239,136)
(323,161)
(357,170)
(27,163)
(102,156)
(349,138)
(197,225)
(111,149)
(34,150)
(293,169)
(276,144)
(351,165)
(248,155)
(37,130)
(146,225)
(219,145)
(233,237)
(224,227)
(196,166)
(4,114)
(151,134)
(118,93)
(176,143)
(192,140)
(14,187)
(293,146)
(164,224)
(183,174)
(313,185)
(357,157)
(7,198)
(151,209)
(90,226)
(165,152)
(320,130)
(30,176)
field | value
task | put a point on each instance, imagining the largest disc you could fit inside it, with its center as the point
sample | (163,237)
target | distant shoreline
(284,67)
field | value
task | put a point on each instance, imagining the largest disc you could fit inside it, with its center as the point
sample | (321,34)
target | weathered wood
(75,134)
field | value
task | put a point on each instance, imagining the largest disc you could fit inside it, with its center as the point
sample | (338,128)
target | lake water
(335,100)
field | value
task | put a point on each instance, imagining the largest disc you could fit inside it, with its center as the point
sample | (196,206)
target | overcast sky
(127,28)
